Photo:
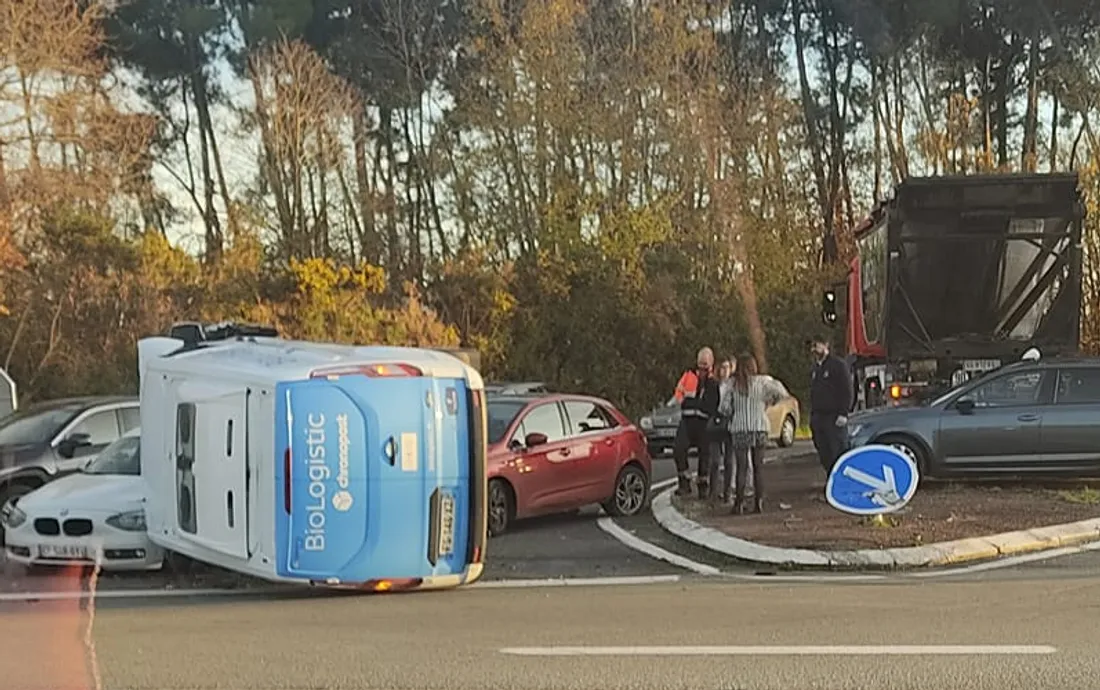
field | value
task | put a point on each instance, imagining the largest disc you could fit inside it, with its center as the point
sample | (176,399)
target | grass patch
(1086,495)
(802,433)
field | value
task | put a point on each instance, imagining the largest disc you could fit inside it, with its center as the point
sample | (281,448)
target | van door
(212,462)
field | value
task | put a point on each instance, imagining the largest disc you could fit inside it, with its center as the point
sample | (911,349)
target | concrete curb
(932,555)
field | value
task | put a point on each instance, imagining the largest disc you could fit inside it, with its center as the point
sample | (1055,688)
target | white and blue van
(338,465)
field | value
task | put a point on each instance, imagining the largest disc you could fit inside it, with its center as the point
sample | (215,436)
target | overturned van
(314,462)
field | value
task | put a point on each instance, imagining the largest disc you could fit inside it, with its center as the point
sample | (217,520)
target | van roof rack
(193,333)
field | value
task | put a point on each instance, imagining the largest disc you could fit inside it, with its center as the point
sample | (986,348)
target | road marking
(652,550)
(653,488)
(1010,561)
(780,650)
(9,597)
(577,582)
(810,579)
(132,594)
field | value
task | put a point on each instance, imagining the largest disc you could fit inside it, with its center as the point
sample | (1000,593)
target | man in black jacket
(699,396)
(830,401)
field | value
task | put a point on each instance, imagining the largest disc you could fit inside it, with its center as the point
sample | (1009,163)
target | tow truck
(954,276)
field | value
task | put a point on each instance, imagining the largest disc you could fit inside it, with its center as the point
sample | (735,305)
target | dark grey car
(58,437)
(1028,417)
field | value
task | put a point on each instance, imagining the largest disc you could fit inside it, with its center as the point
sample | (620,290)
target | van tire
(502,506)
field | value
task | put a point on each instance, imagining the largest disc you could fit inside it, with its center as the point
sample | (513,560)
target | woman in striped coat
(750,396)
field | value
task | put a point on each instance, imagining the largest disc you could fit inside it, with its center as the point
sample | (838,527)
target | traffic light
(828,307)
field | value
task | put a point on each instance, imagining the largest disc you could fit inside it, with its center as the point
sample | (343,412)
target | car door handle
(609,441)
(1028,418)
(565,452)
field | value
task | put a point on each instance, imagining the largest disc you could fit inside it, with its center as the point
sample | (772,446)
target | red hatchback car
(555,453)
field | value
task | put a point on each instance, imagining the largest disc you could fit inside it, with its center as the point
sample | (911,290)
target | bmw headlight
(12,517)
(131,521)
(646,423)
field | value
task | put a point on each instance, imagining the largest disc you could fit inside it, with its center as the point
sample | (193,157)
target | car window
(35,425)
(1013,390)
(101,427)
(500,414)
(129,418)
(1078,386)
(585,417)
(543,419)
(121,457)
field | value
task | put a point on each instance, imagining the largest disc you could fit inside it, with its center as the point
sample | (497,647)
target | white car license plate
(63,551)
(446,525)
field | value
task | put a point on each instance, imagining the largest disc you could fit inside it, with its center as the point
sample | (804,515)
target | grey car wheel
(909,449)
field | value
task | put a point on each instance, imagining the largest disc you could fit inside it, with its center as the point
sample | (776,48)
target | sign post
(872,480)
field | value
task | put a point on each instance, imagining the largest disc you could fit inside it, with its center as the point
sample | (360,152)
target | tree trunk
(1029,157)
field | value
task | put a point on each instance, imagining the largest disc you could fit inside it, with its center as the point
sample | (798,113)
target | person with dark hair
(721,446)
(831,393)
(750,396)
(699,396)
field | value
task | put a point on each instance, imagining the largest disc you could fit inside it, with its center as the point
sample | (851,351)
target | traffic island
(945,523)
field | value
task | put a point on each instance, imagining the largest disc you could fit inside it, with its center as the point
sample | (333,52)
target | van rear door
(370,478)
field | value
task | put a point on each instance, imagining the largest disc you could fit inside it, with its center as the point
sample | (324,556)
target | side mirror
(535,439)
(965,405)
(68,446)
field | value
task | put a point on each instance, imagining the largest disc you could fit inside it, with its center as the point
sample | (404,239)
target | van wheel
(786,432)
(502,507)
(631,493)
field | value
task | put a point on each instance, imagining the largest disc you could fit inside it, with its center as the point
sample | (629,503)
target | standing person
(698,394)
(721,446)
(830,400)
(751,394)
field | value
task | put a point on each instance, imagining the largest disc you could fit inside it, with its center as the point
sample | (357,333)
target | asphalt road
(562,546)
(1031,635)
(567,546)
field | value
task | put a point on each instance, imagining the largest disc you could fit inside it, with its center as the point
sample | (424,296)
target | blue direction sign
(871,480)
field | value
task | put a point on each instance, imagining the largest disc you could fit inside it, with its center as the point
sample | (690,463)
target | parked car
(1026,417)
(96,513)
(524,388)
(661,423)
(555,453)
(51,439)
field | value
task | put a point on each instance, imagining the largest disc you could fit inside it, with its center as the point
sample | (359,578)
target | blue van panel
(374,462)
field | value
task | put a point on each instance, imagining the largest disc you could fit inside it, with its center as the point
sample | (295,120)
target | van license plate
(446,525)
(66,551)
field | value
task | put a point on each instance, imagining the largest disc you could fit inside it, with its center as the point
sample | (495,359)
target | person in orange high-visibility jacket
(699,395)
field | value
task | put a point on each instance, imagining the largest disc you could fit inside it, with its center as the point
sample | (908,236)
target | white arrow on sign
(883,491)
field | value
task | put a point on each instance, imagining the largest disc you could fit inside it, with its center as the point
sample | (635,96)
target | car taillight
(371,370)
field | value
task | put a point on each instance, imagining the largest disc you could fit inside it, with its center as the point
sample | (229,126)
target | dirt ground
(796,514)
